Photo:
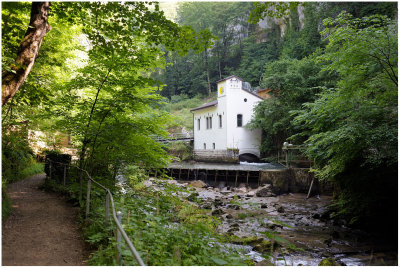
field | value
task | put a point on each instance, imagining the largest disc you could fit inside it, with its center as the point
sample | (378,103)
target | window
(213,145)
(239,120)
(204,145)
(198,124)
(220,121)
(208,122)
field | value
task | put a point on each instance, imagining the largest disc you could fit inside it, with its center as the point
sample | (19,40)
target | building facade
(219,127)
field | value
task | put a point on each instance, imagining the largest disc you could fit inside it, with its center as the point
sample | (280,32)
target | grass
(33,169)
(180,107)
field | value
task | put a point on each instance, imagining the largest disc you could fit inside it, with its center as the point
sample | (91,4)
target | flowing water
(299,222)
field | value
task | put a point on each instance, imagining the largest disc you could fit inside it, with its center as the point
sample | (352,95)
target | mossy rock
(252,240)
(264,246)
(328,262)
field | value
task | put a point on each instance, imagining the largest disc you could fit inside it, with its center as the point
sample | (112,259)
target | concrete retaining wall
(221,156)
(294,180)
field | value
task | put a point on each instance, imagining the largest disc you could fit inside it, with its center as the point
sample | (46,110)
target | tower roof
(229,77)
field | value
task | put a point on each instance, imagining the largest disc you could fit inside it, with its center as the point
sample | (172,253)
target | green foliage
(352,128)
(272,9)
(5,202)
(294,82)
(33,169)
(165,229)
(16,153)
(179,107)
(181,150)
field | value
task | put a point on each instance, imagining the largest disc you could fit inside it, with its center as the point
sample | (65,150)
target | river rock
(229,216)
(252,240)
(218,202)
(206,206)
(198,184)
(281,210)
(233,206)
(265,191)
(241,190)
(316,216)
(147,183)
(232,230)
(217,212)
(328,262)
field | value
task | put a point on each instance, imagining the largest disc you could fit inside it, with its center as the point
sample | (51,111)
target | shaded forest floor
(42,229)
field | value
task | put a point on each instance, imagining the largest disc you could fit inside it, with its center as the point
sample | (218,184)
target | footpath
(42,229)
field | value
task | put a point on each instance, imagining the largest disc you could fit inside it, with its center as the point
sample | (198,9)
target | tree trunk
(27,52)
(207,71)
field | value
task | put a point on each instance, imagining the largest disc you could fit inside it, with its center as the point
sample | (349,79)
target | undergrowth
(165,229)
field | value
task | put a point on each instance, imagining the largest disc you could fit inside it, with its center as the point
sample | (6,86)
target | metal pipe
(119,245)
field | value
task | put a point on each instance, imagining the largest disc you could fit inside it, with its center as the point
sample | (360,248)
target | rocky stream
(287,229)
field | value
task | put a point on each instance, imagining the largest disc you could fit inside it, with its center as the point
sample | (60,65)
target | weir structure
(283,180)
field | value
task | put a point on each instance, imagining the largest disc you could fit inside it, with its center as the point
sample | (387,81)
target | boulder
(233,206)
(217,212)
(328,262)
(218,202)
(232,230)
(265,191)
(281,210)
(241,190)
(206,206)
(264,246)
(197,184)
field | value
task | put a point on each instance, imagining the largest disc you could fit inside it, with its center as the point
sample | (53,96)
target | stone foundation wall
(221,156)
(294,180)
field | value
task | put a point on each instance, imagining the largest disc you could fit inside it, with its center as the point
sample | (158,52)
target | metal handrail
(117,216)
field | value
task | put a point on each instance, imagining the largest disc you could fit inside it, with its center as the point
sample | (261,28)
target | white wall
(216,134)
(246,140)
(230,103)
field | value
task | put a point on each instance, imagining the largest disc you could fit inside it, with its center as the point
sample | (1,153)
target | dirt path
(42,229)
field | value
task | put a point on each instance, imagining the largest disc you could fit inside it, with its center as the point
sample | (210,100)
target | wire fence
(54,169)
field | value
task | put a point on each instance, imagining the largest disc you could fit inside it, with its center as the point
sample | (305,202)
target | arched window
(239,120)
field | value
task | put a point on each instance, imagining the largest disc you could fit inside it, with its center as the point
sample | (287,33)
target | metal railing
(174,137)
(117,216)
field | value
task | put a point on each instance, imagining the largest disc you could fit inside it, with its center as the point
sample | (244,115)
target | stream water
(299,222)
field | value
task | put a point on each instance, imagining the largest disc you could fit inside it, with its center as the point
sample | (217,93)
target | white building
(219,126)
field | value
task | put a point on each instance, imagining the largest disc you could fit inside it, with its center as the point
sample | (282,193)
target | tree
(352,127)
(110,107)
(14,77)
(293,82)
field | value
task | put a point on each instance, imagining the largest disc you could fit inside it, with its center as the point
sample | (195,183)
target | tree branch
(27,52)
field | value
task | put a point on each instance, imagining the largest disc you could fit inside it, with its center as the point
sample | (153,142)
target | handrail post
(80,187)
(50,169)
(107,208)
(65,174)
(89,185)
(119,256)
